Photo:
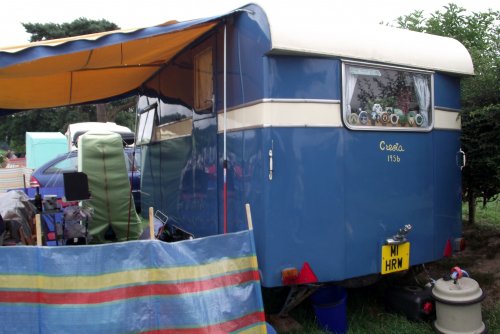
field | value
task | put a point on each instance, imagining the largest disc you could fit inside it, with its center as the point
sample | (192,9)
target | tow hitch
(399,237)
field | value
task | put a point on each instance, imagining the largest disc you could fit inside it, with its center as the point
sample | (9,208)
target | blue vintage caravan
(344,140)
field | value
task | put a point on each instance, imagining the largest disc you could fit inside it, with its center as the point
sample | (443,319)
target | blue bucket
(329,305)
(328,294)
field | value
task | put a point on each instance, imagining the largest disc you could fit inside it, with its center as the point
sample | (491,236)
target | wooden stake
(151,224)
(249,217)
(38,227)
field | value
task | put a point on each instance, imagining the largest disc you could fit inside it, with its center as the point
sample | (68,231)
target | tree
(481,138)
(480,34)
(80,26)
(13,127)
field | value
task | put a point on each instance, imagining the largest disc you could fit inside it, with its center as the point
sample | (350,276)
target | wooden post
(151,224)
(38,228)
(249,217)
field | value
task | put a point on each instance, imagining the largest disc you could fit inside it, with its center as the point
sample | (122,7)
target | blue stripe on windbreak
(132,255)
(135,315)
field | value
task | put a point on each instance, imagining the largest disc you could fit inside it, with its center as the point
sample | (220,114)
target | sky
(145,13)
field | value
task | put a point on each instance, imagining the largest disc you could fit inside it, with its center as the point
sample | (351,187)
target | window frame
(388,127)
(146,130)
(206,105)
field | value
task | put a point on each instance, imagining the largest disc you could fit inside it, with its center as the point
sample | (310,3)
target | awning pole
(225,133)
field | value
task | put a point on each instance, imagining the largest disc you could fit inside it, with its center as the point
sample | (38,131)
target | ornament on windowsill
(394,119)
(363,117)
(353,119)
(403,120)
(377,108)
(419,119)
(411,118)
(384,118)
(376,112)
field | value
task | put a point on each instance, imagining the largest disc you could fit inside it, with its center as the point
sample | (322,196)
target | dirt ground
(481,259)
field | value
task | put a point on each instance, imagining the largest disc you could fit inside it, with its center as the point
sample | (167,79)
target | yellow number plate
(395,258)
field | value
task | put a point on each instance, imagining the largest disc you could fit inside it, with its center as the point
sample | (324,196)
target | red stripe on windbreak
(225,327)
(126,292)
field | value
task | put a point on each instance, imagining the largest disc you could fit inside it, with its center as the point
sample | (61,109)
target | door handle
(461,159)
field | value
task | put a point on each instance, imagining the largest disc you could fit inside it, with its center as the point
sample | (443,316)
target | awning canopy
(90,68)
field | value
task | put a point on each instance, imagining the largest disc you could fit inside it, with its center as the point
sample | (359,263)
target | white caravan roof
(327,31)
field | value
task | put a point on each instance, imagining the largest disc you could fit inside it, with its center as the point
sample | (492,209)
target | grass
(486,216)
(491,318)
(366,312)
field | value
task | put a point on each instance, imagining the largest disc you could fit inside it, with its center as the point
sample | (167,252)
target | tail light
(427,308)
(289,275)
(34,182)
(459,244)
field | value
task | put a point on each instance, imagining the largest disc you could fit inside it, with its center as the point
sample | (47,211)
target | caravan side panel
(322,191)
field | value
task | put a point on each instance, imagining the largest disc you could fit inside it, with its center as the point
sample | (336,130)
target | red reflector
(51,236)
(306,275)
(427,308)
(447,249)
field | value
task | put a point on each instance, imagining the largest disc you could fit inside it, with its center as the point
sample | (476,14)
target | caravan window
(145,127)
(203,80)
(386,98)
(146,120)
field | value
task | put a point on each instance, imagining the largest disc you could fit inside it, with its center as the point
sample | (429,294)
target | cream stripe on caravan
(449,120)
(322,113)
(288,114)
(174,130)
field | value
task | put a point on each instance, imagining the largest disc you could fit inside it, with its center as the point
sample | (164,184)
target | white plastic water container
(458,306)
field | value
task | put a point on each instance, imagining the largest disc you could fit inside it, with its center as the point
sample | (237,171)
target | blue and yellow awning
(91,67)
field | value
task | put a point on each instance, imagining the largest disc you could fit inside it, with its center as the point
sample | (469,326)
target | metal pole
(225,132)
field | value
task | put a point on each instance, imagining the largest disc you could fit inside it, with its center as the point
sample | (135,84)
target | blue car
(50,175)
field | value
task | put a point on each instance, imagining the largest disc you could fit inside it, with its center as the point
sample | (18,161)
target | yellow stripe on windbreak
(123,278)
(259,329)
